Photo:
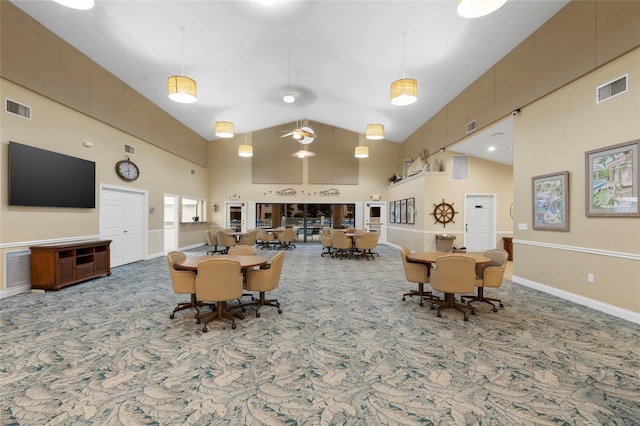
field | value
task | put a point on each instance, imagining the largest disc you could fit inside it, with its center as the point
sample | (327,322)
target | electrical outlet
(590,278)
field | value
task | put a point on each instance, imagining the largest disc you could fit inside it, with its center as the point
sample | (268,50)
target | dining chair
(212,240)
(264,280)
(266,240)
(184,282)
(218,280)
(490,275)
(342,245)
(453,275)
(416,273)
(225,240)
(248,239)
(242,250)
(364,243)
(327,244)
(286,238)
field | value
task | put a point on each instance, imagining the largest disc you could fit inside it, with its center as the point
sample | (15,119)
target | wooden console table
(59,265)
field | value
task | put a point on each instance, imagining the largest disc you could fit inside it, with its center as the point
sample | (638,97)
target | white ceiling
(342,55)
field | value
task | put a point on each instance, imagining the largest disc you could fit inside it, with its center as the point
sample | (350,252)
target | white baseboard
(581,300)
(15,291)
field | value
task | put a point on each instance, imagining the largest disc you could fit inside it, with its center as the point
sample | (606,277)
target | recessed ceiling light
(289,96)
(492,148)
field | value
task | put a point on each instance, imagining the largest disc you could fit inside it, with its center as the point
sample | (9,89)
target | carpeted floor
(345,350)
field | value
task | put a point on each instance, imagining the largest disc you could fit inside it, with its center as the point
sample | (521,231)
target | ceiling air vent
(131,150)
(612,89)
(15,108)
(471,126)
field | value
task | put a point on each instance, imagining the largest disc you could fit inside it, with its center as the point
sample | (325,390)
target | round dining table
(246,262)
(430,257)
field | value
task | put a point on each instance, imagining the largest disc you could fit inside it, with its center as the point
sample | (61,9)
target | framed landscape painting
(392,212)
(403,211)
(551,201)
(612,180)
(411,211)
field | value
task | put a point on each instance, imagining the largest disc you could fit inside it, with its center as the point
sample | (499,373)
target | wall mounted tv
(42,178)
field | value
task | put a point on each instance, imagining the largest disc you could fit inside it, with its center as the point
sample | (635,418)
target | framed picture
(551,201)
(403,211)
(612,180)
(411,211)
(397,202)
(392,212)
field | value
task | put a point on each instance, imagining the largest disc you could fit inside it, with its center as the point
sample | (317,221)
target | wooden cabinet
(508,246)
(59,265)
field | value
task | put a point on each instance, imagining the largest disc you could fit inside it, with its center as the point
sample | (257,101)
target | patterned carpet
(346,350)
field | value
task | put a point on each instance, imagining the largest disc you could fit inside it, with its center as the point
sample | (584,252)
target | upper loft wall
(581,37)
(35,58)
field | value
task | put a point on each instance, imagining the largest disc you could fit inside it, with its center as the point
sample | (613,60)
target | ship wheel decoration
(443,213)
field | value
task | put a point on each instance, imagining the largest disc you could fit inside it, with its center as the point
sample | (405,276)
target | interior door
(375,214)
(236,216)
(170,222)
(480,222)
(122,220)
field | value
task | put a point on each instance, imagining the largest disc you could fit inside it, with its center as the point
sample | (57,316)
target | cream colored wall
(552,135)
(61,129)
(229,173)
(485,177)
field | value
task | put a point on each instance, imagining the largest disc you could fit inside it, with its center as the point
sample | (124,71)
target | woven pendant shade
(182,89)
(362,151)
(375,131)
(245,151)
(224,129)
(404,91)
(478,8)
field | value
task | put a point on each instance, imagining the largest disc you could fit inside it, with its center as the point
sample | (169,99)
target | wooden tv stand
(59,265)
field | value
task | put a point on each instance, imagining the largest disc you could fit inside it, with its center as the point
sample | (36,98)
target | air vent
(471,126)
(131,150)
(15,108)
(459,167)
(612,89)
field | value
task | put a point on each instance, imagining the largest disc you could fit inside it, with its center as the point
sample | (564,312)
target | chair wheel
(466,318)
(432,306)
(172,316)
(198,321)
(439,314)
(501,305)
(204,329)
(257,314)
(473,312)
(233,326)
(495,309)
(421,303)
(403,298)
(279,310)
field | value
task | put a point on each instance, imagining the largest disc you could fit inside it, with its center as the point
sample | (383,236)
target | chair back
(212,240)
(327,240)
(287,236)
(184,282)
(454,274)
(413,272)
(266,279)
(249,239)
(491,274)
(341,241)
(367,241)
(350,230)
(224,239)
(218,280)
(242,250)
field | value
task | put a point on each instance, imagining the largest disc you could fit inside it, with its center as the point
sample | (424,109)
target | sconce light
(215,207)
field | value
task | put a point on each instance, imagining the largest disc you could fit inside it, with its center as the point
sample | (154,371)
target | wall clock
(127,170)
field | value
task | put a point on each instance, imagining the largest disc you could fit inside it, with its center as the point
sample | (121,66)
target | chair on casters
(327,244)
(416,273)
(212,240)
(242,250)
(490,275)
(342,246)
(453,275)
(266,240)
(225,240)
(264,280)
(218,280)
(286,238)
(365,243)
(249,239)
(184,282)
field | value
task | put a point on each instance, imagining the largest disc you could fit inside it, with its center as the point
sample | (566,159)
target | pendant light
(224,129)
(374,131)
(245,150)
(478,8)
(405,90)
(77,4)
(182,89)
(362,151)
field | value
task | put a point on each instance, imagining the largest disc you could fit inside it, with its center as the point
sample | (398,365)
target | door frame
(383,218)
(176,222)
(493,220)
(243,214)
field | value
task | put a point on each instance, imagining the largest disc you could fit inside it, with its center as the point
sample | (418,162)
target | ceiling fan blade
(287,134)
(307,134)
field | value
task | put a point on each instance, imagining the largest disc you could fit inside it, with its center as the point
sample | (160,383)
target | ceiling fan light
(375,131)
(478,8)
(404,91)
(182,89)
(224,129)
(77,4)
(289,96)
(362,151)
(245,151)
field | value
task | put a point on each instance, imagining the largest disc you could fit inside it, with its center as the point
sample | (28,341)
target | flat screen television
(42,178)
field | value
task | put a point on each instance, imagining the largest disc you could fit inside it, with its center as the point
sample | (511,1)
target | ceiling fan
(303,134)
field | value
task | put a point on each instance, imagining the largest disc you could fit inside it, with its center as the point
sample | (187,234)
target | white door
(376,218)
(236,216)
(170,222)
(122,220)
(480,222)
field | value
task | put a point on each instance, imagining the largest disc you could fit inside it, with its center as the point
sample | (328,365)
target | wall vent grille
(471,126)
(612,89)
(131,150)
(16,108)
(459,167)
(18,267)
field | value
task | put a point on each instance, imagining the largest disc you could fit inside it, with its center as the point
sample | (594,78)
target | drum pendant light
(405,90)
(478,8)
(180,88)
(224,129)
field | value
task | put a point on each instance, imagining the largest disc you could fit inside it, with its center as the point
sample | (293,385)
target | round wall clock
(127,170)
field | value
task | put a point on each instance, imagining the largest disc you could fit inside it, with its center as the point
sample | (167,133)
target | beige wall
(552,135)
(485,177)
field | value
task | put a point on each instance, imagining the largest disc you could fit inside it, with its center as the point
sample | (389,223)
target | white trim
(15,291)
(49,241)
(581,300)
(586,250)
